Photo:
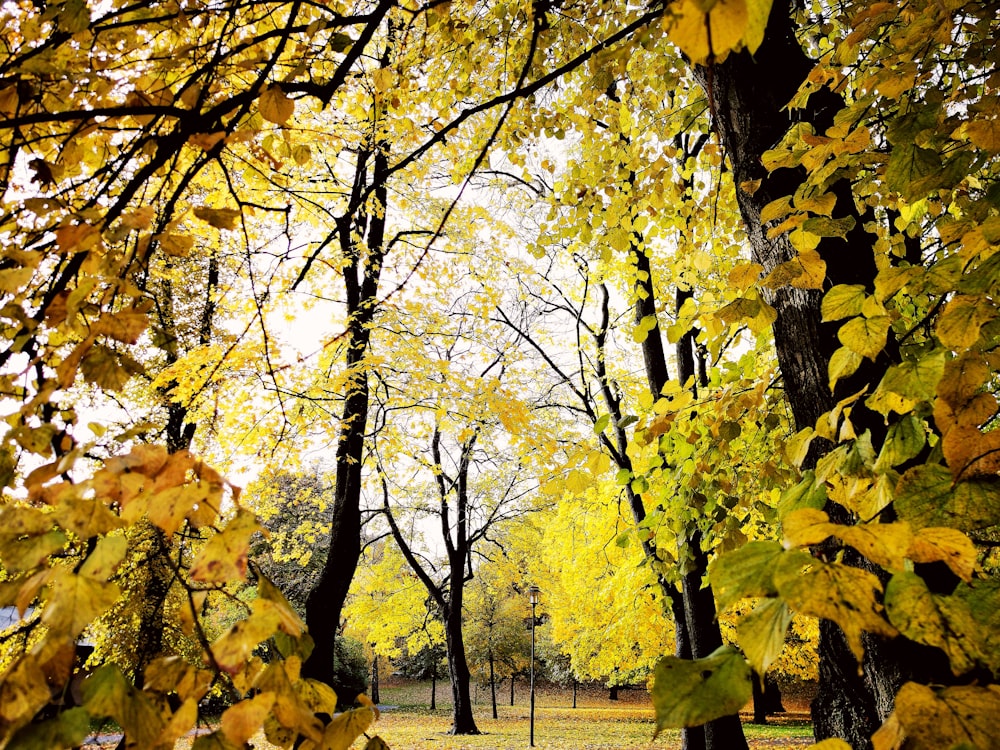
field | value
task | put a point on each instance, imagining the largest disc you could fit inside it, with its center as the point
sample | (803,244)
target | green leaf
(744,572)
(866,336)
(808,493)
(602,424)
(687,693)
(944,622)
(822,226)
(843,301)
(106,693)
(961,715)
(908,165)
(907,383)
(762,633)
(68,729)
(925,496)
(983,599)
(905,440)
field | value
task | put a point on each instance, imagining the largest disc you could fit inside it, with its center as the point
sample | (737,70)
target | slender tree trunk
(463,721)
(374,689)
(434,688)
(613,693)
(512,690)
(493,687)
(574,692)
(749,94)
(361,279)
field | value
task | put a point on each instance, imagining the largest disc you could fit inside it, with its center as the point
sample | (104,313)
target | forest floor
(597,723)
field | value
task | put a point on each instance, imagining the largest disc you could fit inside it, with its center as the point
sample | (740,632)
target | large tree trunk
(748,96)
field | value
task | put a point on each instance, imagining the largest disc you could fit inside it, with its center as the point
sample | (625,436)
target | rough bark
(747,96)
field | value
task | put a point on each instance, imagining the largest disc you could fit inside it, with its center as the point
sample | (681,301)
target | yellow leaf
(224,556)
(243,720)
(275,106)
(77,237)
(105,559)
(171,674)
(805,527)
(951,546)
(745,275)
(169,508)
(125,326)
(806,271)
(220,218)
(962,318)
(985,134)
(207,141)
(866,336)
(950,717)
(180,723)
(690,27)
(776,209)
(176,245)
(347,727)
(943,622)
(832,591)
(843,301)
(234,647)
(762,633)
(77,600)
(844,363)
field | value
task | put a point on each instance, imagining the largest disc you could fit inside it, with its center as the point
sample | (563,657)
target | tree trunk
(493,687)
(613,693)
(361,278)
(512,690)
(374,689)
(749,94)
(574,692)
(434,688)
(463,721)
(759,702)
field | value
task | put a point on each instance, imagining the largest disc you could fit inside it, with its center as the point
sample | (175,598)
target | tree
(842,387)
(498,644)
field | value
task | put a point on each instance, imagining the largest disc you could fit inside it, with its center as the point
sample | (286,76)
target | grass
(407,723)
(596,724)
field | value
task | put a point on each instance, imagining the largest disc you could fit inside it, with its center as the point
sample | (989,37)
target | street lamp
(533,592)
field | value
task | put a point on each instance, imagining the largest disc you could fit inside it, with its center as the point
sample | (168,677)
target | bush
(350,671)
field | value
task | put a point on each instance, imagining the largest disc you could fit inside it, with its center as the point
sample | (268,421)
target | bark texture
(748,95)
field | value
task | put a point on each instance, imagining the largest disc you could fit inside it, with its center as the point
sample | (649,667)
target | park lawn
(407,723)
(559,728)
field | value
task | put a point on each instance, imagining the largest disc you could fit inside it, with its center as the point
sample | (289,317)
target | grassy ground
(407,723)
(596,724)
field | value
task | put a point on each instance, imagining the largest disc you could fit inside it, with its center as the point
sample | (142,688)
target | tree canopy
(731,263)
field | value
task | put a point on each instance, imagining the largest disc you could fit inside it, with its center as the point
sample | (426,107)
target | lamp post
(533,592)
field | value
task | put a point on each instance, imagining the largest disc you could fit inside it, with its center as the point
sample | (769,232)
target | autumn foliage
(498,216)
